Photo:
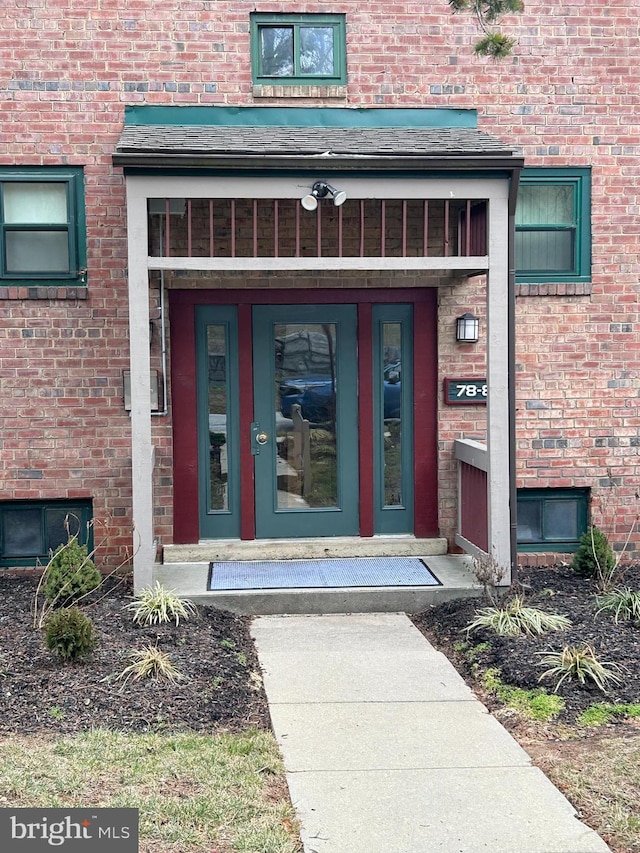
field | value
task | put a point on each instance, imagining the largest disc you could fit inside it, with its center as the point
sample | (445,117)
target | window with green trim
(553,226)
(31,530)
(298,49)
(42,226)
(551,519)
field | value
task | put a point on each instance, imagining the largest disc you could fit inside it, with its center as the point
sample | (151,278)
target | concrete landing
(388,751)
(454,571)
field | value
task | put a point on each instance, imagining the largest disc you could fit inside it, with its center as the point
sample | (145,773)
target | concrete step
(301,549)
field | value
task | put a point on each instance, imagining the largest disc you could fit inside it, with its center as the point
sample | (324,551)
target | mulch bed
(214,652)
(555,590)
(221,685)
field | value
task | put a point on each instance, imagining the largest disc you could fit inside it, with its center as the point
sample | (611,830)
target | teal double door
(297,409)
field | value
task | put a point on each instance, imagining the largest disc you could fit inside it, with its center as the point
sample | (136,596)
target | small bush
(70,574)
(489,574)
(515,619)
(594,558)
(157,605)
(623,604)
(580,663)
(69,633)
(150,662)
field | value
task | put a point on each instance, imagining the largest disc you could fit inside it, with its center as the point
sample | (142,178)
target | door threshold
(304,549)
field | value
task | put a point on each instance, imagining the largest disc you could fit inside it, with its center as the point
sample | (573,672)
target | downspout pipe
(163,333)
(163,341)
(511,344)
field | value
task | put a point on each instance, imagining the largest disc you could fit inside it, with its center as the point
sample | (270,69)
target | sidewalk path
(388,751)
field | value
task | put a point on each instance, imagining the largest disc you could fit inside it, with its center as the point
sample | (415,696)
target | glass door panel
(216,341)
(217,404)
(305,415)
(393,418)
(391,335)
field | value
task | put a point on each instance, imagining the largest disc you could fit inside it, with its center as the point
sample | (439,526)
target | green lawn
(219,793)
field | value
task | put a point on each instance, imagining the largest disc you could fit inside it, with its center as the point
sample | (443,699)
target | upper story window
(553,225)
(42,228)
(298,49)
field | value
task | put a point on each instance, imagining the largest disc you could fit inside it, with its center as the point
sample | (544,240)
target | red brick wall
(569,96)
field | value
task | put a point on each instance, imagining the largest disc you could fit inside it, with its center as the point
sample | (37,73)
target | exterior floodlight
(321,190)
(309,202)
(339,197)
(467,329)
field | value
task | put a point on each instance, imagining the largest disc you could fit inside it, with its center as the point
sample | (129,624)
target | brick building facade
(568,100)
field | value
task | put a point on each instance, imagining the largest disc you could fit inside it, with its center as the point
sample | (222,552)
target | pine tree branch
(487,12)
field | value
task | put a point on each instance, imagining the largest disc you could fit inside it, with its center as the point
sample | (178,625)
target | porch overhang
(164,160)
(314,149)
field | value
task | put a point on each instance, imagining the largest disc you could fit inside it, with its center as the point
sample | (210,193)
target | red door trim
(425,424)
(300,296)
(365,416)
(186,527)
(183,388)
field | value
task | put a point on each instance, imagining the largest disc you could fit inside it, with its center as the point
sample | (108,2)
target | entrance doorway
(305,418)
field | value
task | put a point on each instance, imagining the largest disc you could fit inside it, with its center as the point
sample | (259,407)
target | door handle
(258,438)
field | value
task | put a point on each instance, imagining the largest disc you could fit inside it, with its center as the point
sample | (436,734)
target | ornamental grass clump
(579,663)
(515,619)
(622,603)
(69,633)
(150,662)
(157,605)
(70,574)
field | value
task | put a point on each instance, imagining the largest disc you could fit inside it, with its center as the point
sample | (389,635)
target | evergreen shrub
(69,633)
(594,558)
(70,574)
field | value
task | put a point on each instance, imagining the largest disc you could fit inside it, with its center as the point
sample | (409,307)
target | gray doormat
(320,574)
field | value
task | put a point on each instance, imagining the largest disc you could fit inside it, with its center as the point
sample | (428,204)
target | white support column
(498,382)
(141,445)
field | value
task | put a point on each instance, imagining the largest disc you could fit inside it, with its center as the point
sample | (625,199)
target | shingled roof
(175,143)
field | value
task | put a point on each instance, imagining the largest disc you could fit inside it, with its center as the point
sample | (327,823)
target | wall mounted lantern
(467,329)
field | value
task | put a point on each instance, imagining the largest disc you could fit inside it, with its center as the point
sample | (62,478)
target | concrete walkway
(387,750)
